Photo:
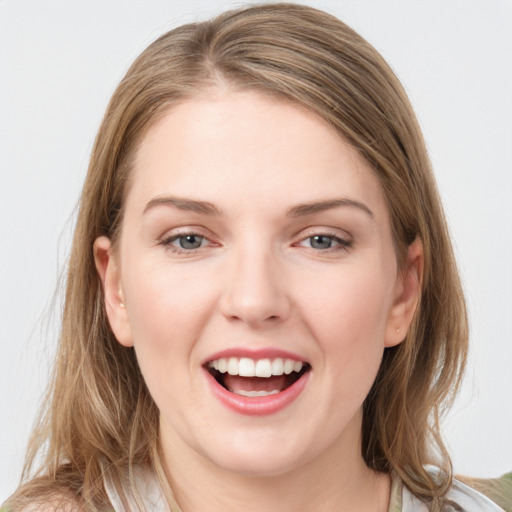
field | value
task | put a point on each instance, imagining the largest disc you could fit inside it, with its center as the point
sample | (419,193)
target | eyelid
(343,241)
(171,235)
(325,231)
(185,230)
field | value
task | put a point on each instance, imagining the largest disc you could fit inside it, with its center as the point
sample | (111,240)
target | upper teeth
(246,367)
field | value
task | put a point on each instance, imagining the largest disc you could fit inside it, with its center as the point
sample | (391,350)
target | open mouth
(256,378)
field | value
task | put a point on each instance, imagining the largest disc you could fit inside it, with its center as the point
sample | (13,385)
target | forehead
(243,146)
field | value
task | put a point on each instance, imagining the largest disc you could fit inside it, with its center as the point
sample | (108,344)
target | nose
(255,292)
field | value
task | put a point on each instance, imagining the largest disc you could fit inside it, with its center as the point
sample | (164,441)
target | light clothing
(148,489)
(461,497)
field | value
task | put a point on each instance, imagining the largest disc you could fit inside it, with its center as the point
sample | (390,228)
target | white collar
(145,486)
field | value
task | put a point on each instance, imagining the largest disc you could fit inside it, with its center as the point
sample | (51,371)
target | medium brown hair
(100,416)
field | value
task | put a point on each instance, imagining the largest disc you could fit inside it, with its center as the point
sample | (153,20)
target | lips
(256,384)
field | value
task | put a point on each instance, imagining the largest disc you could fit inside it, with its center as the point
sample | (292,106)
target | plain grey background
(60,62)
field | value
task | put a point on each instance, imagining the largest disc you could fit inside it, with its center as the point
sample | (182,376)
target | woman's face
(257,281)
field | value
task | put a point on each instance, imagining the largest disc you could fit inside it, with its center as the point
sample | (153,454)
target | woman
(252,318)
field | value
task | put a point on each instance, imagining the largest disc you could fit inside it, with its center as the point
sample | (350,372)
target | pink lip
(266,353)
(258,405)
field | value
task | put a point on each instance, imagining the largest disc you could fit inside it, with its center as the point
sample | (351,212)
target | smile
(257,386)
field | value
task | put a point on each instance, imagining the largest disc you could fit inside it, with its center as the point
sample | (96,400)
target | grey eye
(190,241)
(321,242)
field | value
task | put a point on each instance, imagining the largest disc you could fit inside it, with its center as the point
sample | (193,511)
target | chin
(258,467)
(259,458)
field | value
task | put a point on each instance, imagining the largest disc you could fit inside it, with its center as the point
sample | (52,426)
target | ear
(406,296)
(109,273)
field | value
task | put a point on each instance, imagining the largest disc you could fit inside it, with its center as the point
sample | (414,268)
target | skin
(258,281)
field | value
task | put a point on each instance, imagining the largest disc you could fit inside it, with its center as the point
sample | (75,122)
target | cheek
(167,312)
(355,303)
(161,297)
(348,318)
(166,318)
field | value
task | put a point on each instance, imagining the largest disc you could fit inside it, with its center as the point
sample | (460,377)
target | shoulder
(469,499)
(461,498)
(59,493)
(498,490)
(51,507)
(50,504)
(44,507)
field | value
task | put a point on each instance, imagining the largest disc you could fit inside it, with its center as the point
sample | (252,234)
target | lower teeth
(255,393)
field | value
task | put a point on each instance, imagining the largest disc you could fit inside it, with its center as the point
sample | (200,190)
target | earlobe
(407,295)
(110,277)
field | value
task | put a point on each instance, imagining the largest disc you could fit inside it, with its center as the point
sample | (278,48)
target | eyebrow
(182,203)
(302,210)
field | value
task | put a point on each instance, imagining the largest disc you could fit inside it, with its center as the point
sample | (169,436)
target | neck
(337,479)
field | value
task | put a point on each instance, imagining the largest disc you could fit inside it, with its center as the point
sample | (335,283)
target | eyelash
(168,241)
(342,244)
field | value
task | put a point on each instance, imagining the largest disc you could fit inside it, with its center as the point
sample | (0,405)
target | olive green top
(477,495)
